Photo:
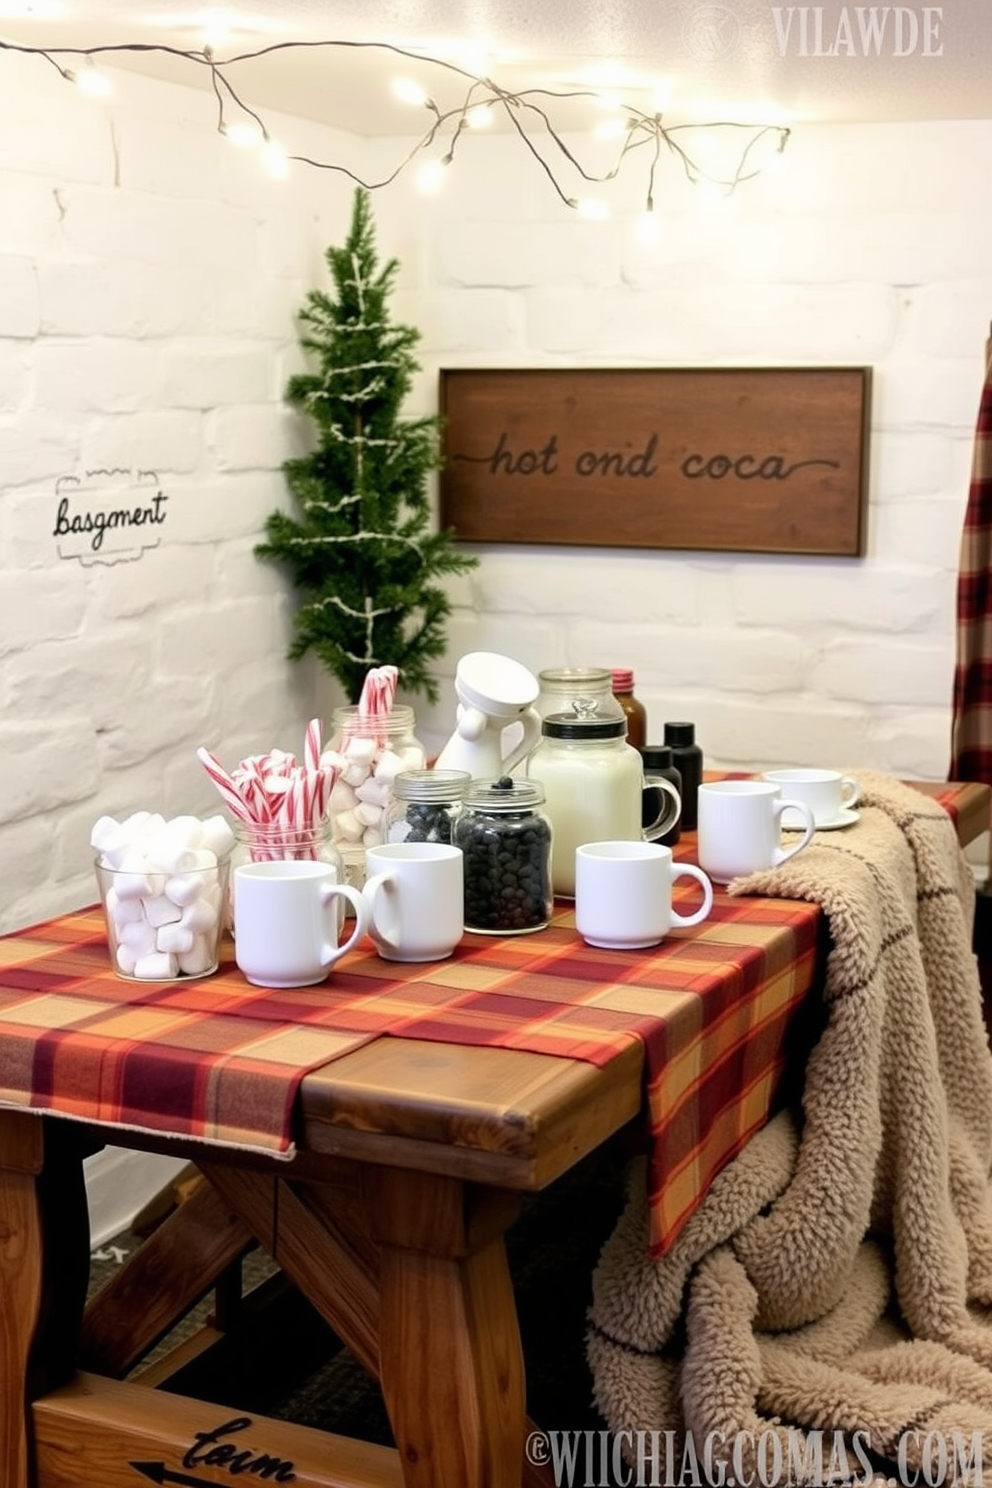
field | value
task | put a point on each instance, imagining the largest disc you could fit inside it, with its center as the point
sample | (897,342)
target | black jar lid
(657,756)
(504,794)
(571,726)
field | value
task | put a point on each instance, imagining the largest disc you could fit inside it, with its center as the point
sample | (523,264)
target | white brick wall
(150,280)
(872,247)
(149,284)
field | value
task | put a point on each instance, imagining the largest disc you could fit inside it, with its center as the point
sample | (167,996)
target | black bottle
(688,759)
(658,759)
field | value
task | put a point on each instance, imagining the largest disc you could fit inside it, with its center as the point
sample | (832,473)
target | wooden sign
(754,460)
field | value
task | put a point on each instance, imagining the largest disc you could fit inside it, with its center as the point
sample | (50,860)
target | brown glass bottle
(634,711)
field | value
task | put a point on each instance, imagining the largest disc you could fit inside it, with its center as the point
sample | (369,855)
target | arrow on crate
(159,1473)
(112,1253)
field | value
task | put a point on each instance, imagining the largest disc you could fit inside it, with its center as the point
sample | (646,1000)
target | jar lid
(623,679)
(430,785)
(495,684)
(583,726)
(504,794)
(657,756)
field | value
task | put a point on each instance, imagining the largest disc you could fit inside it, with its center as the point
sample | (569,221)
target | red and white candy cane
(286,801)
(230,794)
(376,700)
(312,745)
(249,779)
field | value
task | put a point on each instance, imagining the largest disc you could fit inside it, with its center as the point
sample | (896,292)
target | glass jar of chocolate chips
(505,838)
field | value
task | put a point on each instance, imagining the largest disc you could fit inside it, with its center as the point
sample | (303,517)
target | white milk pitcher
(494,692)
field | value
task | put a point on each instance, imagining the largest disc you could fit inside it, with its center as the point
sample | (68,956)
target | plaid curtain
(971,736)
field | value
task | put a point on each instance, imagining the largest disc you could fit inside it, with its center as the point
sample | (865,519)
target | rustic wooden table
(390,1218)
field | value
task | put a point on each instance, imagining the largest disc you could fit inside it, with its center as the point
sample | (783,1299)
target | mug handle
(370,893)
(783,854)
(665,820)
(689,870)
(850,792)
(531,720)
(330,892)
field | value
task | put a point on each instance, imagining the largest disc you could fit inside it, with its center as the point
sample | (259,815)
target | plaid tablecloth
(971,729)
(716,1007)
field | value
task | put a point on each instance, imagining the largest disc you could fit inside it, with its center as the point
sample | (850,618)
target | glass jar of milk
(594,789)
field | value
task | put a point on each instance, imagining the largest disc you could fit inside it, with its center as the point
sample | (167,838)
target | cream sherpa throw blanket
(838,1276)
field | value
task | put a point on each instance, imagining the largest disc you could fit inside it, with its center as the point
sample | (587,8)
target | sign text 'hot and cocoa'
(753,460)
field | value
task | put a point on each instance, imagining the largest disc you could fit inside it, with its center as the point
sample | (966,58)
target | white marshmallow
(156,967)
(105,829)
(126,960)
(367,814)
(140,826)
(123,911)
(114,856)
(360,749)
(342,797)
(217,836)
(131,880)
(138,936)
(176,938)
(372,837)
(355,772)
(174,855)
(199,916)
(134,825)
(183,888)
(162,911)
(389,765)
(347,826)
(188,829)
(198,960)
(375,791)
(182,859)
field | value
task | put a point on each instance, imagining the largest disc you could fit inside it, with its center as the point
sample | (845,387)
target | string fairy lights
(644,137)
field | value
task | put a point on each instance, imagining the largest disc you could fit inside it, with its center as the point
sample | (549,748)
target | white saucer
(846,817)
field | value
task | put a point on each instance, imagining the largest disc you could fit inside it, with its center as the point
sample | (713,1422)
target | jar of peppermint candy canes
(368,751)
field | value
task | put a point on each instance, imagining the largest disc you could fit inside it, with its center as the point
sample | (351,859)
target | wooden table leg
(20,1266)
(449,1347)
(44,1262)
(409,1269)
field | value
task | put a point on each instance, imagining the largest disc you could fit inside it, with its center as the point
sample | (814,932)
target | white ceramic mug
(740,827)
(827,793)
(287,917)
(623,893)
(414,892)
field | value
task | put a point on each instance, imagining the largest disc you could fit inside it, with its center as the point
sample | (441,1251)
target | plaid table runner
(219,1060)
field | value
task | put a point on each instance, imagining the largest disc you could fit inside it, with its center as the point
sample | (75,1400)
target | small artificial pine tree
(362,553)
